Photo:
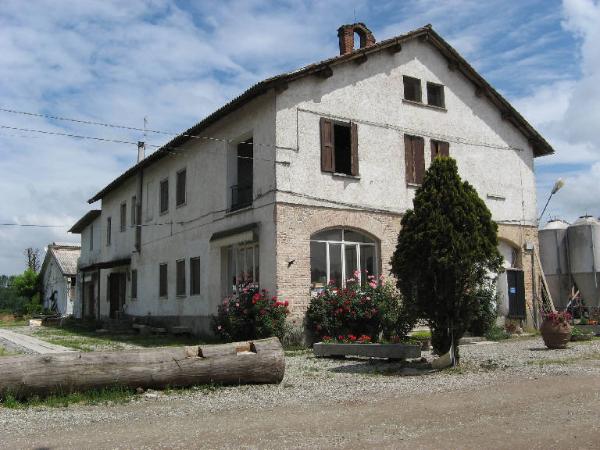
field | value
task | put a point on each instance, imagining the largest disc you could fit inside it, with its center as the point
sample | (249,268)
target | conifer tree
(446,250)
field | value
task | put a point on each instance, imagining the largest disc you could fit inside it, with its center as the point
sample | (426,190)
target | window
(242,190)
(439,148)
(435,95)
(123,216)
(195,276)
(164,196)
(134,284)
(91,237)
(339,147)
(180,189)
(180,278)
(162,280)
(242,267)
(336,254)
(414,158)
(108,231)
(133,211)
(412,89)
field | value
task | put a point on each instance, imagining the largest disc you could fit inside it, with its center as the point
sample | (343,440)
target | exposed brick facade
(346,36)
(296,223)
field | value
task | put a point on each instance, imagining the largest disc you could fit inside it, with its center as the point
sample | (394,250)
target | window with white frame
(242,266)
(336,254)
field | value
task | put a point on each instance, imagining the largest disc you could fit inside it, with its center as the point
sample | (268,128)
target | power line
(126,127)
(32,225)
(56,133)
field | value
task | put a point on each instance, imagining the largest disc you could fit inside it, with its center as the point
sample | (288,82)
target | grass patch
(8,321)
(91,397)
(564,361)
(497,333)
(421,334)
(84,338)
(298,352)
(4,352)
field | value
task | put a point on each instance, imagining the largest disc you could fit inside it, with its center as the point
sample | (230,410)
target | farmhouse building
(58,278)
(304,178)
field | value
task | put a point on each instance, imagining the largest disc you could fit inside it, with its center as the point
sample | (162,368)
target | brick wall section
(517,236)
(296,223)
(294,226)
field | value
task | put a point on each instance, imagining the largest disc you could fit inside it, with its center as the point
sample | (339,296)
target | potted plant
(556,330)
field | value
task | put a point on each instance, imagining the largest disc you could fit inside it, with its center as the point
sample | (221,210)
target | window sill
(345,175)
(424,105)
(496,197)
(181,205)
(238,210)
(413,185)
(163,297)
(181,296)
(164,213)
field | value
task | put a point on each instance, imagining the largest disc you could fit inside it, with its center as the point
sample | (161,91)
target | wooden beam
(395,48)
(325,72)
(452,66)
(361,59)
(281,87)
(480,92)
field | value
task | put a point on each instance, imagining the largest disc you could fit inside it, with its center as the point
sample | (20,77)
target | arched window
(337,253)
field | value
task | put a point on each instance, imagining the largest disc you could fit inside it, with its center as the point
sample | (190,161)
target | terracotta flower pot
(555,334)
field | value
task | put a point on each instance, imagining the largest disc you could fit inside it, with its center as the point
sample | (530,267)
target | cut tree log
(260,361)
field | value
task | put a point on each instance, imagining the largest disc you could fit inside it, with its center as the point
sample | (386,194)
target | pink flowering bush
(370,310)
(558,318)
(251,314)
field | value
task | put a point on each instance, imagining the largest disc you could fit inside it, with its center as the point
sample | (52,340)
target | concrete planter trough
(390,351)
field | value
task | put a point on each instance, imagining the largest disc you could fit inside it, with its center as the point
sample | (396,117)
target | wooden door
(116,293)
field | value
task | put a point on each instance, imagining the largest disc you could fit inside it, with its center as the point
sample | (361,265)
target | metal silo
(554,256)
(584,257)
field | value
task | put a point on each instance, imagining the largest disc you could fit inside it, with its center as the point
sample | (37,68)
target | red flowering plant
(558,318)
(250,314)
(368,309)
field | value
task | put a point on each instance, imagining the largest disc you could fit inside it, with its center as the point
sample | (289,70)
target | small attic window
(435,95)
(412,89)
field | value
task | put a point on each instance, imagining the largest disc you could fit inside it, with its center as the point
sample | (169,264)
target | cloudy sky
(175,62)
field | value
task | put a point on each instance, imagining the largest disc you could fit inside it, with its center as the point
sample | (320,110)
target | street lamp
(557,186)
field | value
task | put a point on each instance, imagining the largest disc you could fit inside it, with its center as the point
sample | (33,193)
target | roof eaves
(540,145)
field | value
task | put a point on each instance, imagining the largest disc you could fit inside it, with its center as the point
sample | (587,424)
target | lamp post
(557,186)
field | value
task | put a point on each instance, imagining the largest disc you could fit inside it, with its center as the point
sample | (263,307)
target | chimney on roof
(346,36)
(141,150)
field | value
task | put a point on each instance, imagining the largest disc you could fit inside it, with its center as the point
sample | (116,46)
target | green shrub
(252,314)
(496,333)
(486,314)
(371,309)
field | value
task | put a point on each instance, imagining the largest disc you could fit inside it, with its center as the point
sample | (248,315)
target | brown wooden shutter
(444,149)
(326,145)
(419,158)
(354,149)
(439,148)
(409,161)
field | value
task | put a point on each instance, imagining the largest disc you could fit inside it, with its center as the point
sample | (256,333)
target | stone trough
(389,351)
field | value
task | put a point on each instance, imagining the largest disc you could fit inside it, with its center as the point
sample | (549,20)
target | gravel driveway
(314,388)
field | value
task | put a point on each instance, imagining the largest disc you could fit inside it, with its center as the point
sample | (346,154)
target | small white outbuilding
(58,277)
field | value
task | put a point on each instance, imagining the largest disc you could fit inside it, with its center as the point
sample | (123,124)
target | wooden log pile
(260,361)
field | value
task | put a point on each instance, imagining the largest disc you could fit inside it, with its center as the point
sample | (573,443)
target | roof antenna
(142,144)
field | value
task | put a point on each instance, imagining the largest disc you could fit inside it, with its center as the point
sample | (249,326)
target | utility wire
(78,136)
(33,225)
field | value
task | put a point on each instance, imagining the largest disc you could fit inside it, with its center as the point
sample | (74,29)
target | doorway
(116,293)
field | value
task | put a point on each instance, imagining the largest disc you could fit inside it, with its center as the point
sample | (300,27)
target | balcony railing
(241,196)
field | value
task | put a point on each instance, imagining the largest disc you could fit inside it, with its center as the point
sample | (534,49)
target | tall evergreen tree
(446,250)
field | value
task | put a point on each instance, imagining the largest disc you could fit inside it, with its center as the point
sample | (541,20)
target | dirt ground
(550,412)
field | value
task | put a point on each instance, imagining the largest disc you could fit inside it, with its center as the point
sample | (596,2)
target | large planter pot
(555,335)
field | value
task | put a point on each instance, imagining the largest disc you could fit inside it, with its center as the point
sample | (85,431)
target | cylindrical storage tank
(554,255)
(584,258)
